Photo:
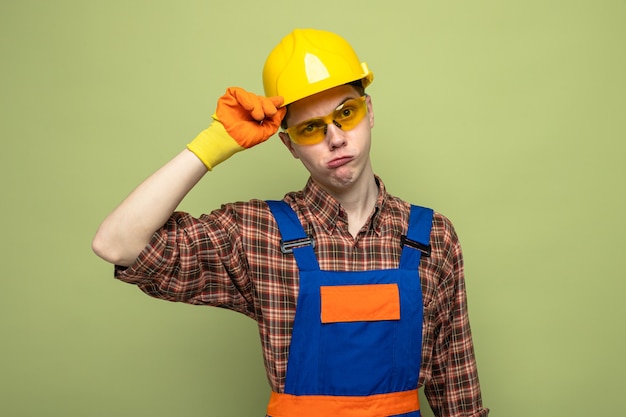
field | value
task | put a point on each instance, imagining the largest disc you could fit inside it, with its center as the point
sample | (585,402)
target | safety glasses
(345,117)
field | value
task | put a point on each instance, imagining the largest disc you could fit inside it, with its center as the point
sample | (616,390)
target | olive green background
(507,116)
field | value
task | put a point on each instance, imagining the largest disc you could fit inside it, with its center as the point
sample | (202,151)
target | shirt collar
(330,213)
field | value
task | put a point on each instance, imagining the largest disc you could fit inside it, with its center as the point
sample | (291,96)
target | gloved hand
(242,120)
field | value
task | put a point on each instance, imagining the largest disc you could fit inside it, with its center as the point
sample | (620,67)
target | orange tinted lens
(309,132)
(313,131)
(350,113)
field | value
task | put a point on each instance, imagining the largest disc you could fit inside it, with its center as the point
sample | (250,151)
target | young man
(359,296)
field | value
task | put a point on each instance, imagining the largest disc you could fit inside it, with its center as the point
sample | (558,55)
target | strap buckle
(289,245)
(425,249)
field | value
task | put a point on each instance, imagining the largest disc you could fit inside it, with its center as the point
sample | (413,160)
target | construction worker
(359,296)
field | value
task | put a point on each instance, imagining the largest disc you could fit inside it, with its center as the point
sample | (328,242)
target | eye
(346,111)
(310,127)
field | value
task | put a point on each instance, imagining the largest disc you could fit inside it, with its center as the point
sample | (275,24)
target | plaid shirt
(231,258)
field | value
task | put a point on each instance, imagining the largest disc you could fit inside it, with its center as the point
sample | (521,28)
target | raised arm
(242,120)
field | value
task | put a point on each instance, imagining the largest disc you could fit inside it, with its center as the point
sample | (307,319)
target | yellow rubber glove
(242,120)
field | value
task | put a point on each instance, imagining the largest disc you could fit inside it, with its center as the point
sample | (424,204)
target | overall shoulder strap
(416,243)
(293,237)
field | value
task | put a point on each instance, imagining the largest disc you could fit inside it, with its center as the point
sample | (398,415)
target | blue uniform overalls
(357,336)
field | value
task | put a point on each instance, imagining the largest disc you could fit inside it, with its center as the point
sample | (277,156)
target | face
(341,161)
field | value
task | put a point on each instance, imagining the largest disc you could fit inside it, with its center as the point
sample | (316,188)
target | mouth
(339,162)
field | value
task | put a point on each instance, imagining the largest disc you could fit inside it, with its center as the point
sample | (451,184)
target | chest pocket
(352,303)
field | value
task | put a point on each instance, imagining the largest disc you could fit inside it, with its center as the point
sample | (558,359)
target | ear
(370,110)
(284,137)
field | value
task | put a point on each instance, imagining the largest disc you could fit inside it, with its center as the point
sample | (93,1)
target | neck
(358,201)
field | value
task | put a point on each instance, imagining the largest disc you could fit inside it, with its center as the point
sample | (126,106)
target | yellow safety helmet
(308,61)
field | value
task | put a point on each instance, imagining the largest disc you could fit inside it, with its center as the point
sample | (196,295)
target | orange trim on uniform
(379,405)
(370,302)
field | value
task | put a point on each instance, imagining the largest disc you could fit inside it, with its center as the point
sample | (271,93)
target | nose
(335,136)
